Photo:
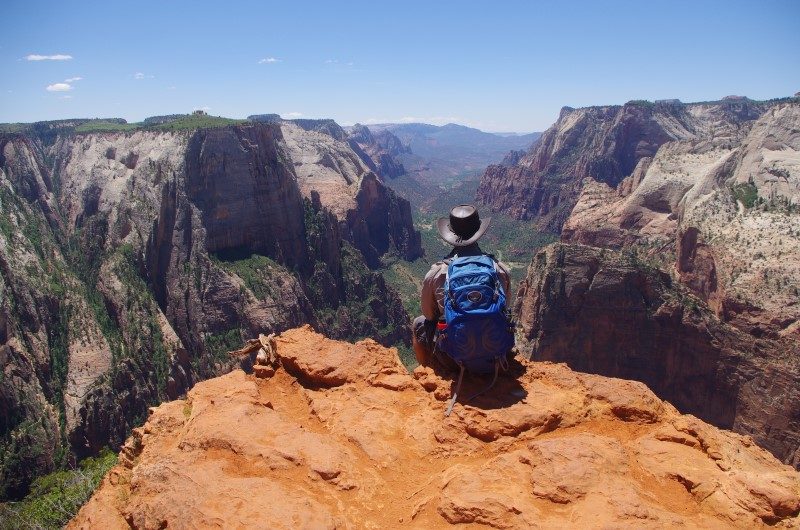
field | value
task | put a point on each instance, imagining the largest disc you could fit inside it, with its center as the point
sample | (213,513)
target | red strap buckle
(441,326)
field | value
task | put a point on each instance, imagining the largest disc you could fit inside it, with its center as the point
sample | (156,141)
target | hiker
(461,230)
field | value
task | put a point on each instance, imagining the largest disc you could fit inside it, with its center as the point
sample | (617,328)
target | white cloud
(73,79)
(292,115)
(57,57)
(140,75)
(65,97)
(341,65)
(173,87)
(59,87)
(269,60)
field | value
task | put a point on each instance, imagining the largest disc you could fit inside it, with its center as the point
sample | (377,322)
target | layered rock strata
(605,145)
(723,212)
(342,436)
(608,313)
(131,262)
(371,215)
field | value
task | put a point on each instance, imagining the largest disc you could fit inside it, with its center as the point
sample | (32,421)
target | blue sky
(499,66)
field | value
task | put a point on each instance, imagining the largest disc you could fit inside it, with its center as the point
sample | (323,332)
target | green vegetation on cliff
(53,289)
(363,304)
(105,126)
(54,499)
(195,121)
(182,123)
(746,193)
(258,272)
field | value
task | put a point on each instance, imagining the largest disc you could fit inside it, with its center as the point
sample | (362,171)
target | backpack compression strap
(498,363)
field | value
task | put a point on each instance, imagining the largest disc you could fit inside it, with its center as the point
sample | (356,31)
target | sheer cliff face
(603,312)
(342,436)
(721,210)
(372,216)
(131,262)
(602,144)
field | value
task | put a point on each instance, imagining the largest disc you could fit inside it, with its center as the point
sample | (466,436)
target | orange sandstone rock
(343,437)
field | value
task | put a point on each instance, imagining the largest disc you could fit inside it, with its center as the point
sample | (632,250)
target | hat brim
(443,227)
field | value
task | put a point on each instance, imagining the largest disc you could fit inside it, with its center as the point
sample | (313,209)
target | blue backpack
(478,334)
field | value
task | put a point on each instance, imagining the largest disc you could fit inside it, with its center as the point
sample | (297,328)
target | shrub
(747,194)
(56,498)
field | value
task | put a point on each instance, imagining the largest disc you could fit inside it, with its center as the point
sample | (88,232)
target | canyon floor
(341,436)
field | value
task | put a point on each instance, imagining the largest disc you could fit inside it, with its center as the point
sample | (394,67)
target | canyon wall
(602,144)
(132,262)
(606,312)
(722,214)
(689,280)
(379,150)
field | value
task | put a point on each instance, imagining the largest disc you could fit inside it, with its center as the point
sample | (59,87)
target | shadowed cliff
(604,312)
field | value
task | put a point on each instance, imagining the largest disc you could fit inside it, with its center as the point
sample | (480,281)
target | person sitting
(461,230)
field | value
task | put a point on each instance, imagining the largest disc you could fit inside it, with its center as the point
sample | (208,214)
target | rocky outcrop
(512,158)
(608,313)
(131,262)
(342,436)
(323,126)
(604,145)
(378,150)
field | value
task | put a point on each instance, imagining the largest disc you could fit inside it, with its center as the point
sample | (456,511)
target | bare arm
(431,291)
(505,276)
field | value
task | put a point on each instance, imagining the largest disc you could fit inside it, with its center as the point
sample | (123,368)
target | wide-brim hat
(463,227)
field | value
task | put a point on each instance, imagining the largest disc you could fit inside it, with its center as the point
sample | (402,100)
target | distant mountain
(444,155)
(505,134)
(454,142)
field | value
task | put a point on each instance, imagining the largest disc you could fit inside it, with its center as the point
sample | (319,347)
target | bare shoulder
(436,268)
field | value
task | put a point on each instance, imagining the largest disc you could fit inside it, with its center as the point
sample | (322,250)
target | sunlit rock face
(723,213)
(131,262)
(341,435)
(605,145)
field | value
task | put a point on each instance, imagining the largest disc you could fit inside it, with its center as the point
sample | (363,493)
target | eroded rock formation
(371,215)
(342,436)
(604,145)
(722,210)
(378,150)
(131,262)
